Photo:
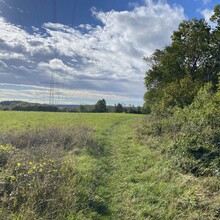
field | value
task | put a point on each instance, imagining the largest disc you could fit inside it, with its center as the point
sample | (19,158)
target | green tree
(179,70)
(118,108)
(100,106)
(216,16)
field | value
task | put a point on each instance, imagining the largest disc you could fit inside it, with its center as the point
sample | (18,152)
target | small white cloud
(12,56)
(207,14)
(35,29)
(57,66)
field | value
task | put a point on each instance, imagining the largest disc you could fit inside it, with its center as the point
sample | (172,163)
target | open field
(26,120)
(103,172)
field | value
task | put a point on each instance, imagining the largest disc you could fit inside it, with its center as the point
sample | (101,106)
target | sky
(80,51)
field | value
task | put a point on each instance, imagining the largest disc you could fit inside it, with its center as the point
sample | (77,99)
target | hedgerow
(193,133)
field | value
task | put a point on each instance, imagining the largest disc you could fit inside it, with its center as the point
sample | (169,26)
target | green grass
(26,120)
(127,180)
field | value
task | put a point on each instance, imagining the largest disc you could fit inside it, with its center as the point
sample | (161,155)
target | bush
(193,133)
(197,145)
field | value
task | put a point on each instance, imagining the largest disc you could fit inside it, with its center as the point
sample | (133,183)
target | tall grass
(39,176)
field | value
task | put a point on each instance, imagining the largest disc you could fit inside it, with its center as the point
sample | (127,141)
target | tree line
(99,107)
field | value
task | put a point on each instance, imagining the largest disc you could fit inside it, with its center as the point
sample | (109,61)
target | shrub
(193,133)
(198,143)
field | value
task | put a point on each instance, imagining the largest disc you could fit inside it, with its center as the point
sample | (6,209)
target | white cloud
(113,62)
(207,13)
(10,56)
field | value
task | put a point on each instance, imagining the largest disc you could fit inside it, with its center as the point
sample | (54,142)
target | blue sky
(94,49)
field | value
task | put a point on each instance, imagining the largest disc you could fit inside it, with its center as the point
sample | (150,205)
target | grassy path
(111,172)
(127,182)
(120,174)
(123,160)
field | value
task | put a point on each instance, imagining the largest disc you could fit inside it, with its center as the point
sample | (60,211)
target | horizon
(72,104)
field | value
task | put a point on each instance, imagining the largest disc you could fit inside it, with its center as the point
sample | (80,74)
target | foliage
(194,131)
(182,68)
(118,108)
(183,96)
(216,16)
(100,106)
(197,145)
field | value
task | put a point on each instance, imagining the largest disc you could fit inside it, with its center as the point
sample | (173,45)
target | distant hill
(9,103)
(17,102)
(26,106)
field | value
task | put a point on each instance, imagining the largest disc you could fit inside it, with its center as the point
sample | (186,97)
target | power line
(74,12)
(54,11)
(52,82)
(73,18)
(106,20)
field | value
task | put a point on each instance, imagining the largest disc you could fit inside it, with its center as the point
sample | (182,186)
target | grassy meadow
(94,166)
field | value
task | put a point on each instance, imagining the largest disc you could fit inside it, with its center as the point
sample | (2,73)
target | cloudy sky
(85,49)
